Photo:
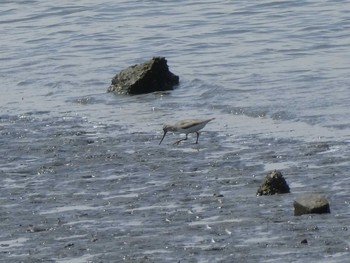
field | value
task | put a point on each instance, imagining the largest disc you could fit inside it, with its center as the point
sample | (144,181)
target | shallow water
(83,177)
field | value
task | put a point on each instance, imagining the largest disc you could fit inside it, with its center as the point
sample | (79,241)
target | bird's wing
(185,124)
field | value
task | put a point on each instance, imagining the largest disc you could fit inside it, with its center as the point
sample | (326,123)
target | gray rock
(153,75)
(274,183)
(311,204)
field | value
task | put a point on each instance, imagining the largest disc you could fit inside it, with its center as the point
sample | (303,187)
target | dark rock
(34,229)
(304,241)
(274,183)
(311,204)
(69,245)
(153,75)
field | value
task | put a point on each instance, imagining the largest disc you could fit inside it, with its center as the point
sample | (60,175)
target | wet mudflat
(82,176)
(77,192)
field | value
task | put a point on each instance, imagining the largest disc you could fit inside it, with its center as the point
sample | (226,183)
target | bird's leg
(177,142)
(197,137)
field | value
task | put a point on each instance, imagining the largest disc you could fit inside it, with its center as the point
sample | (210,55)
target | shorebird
(186,127)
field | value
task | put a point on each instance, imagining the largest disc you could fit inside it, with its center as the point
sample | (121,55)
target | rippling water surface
(83,177)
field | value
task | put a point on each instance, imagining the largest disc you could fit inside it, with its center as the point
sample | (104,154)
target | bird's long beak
(162,138)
